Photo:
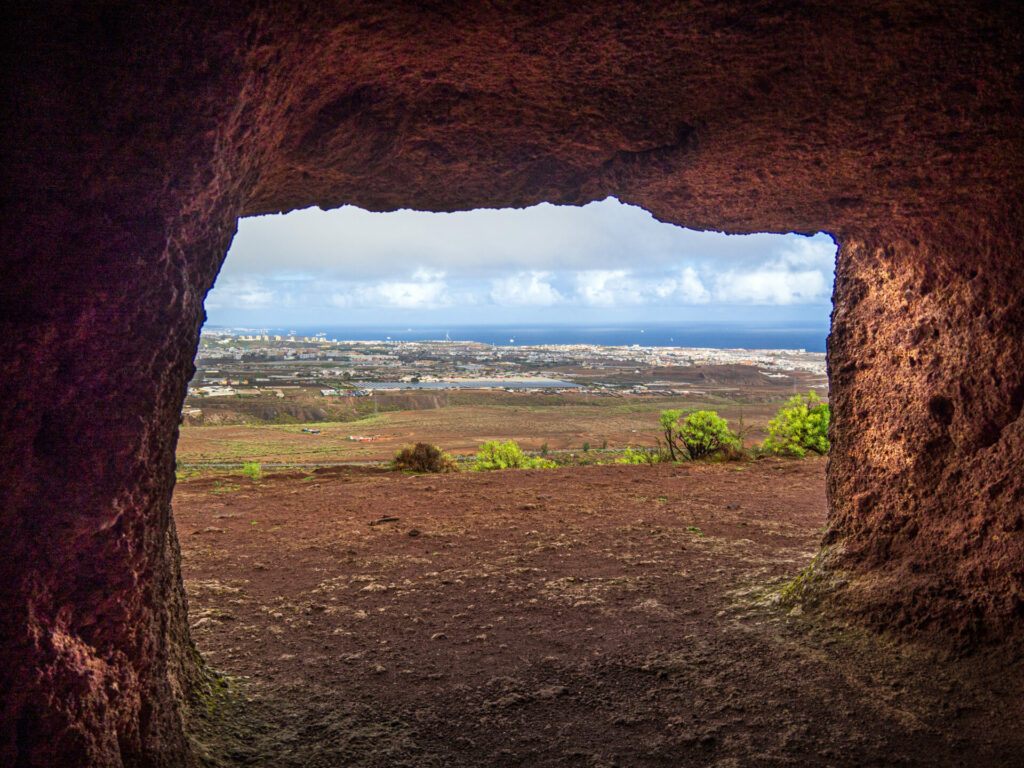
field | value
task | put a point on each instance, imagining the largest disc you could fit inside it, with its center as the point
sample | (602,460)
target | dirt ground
(594,616)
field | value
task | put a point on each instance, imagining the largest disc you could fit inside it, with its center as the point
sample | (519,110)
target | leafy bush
(507,455)
(641,456)
(704,433)
(423,457)
(801,425)
(252,469)
(669,423)
(695,435)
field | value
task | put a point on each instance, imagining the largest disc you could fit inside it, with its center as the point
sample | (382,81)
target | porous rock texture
(134,136)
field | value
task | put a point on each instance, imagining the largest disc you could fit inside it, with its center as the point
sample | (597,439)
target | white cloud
(690,288)
(796,273)
(425,290)
(424,295)
(605,287)
(351,243)
(818,252)
(620,287)
(525,289)
(687,288)
(573,261)
(243,294)
(772,286)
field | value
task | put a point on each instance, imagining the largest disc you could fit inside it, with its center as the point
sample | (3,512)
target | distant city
(712,333)
(239,362)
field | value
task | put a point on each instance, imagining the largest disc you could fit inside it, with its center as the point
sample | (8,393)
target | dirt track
(598,616)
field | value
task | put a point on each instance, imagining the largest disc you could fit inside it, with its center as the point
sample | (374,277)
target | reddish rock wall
(134,138)
(926,490)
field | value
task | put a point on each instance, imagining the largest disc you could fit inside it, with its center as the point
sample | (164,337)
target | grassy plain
(459,429)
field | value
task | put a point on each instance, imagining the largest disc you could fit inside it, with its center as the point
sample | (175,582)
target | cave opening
(604,276)
(313,562)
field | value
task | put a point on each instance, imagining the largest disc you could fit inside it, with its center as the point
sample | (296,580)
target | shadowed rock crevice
(135,138)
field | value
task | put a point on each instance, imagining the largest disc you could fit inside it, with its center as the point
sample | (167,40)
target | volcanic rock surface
(134,137)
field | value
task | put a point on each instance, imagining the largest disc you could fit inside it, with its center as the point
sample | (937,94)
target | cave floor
(595,616)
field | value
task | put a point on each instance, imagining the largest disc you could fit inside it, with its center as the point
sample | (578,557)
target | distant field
(458,429)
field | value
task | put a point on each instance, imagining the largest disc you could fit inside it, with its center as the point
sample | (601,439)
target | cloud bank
(546,263)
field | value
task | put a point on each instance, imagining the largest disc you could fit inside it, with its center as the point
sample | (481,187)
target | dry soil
(590,616)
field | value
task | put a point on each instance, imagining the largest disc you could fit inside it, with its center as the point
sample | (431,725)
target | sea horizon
(706,335)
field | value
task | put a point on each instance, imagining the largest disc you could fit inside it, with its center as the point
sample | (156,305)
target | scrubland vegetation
(507,455)
(579,436)
(252,469)
(800,427)
(423,457)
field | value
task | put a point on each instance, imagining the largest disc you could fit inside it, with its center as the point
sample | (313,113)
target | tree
(801,425)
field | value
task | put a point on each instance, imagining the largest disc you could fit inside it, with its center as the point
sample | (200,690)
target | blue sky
(605,261)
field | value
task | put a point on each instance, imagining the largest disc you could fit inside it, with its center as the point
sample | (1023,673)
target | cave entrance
(301,297)
(349,594)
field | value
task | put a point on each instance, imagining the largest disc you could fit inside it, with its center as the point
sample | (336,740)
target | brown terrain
(306,404)
(591,616)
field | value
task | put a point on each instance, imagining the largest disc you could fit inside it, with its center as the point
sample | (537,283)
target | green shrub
(423,457)
(586,447)
(641,456)
(544,450)
(801,425)
(507,455)
(669,423)
(704,433)
(252,469)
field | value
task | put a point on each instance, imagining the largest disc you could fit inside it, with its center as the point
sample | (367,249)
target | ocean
(716,336)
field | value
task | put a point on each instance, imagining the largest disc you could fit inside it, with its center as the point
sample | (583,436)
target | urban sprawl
(240,363)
